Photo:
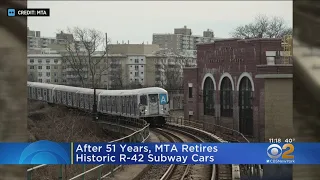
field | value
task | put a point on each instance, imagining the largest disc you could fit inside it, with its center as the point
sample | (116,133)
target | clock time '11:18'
(275,140)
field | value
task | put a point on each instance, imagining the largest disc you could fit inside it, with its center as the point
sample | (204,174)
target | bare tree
(31,77)
(169,68)
(116,76)
(263,27)
(86,53)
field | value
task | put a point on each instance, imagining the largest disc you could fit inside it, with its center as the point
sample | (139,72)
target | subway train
(151,104)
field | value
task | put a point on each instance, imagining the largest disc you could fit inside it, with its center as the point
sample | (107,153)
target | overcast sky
(138,20)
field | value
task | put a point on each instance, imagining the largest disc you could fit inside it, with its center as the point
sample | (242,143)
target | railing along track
(140,135)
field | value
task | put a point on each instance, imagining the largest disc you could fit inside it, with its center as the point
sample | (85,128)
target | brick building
(224,90)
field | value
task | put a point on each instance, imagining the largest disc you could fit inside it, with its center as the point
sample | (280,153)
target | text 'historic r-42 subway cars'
(150,103)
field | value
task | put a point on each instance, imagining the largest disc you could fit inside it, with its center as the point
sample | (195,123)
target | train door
(130,105)
(45,95)
(64,97)
(135,105)
(122,105)
(109,103)
(69,99)
(86,100)
(34,93)
(58,97)
(153,104)
(115,104)
(81,100)
(143,105)
(126,104)
(49,95)
(74,99)
(39,97)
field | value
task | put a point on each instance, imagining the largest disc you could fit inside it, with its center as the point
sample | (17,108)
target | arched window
(226,98)
(208,97)
(245,107)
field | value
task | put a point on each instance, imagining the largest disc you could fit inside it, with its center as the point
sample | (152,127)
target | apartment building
(36,41)
(135,68)
(182,39)
(45,68)
(166,70)
(133,49)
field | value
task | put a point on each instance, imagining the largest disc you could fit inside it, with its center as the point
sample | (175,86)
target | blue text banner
(47,152)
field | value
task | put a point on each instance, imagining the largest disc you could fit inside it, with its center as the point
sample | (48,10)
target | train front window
(153,98)
(143,100)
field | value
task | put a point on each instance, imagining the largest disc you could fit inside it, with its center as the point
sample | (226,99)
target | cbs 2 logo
(274,151)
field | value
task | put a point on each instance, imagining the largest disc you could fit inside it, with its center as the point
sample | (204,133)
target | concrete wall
(278,108)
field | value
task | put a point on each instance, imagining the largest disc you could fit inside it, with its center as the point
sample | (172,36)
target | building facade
(182,39)
(45,68)
(223,90)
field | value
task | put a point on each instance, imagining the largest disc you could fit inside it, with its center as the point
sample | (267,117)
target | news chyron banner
(47,152)
(12,12)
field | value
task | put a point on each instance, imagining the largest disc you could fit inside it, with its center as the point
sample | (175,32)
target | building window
(208,97)
(48,67)
(136,67)
(141,79)
(56,61)
(136,74)
(55,74)
(39,61)
(190,92)
(141,72)
(55,80)
(48,80)
(141,59)
(141,65)
(39,67)
(130,72)
(136,60)
(48,61)
(48,74)
(31,67)
(226,99)
(130,66)
(55,67)
(31,60)
(40,80)
(245,107)
(40,74)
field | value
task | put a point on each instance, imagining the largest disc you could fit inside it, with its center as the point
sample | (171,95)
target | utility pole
(94,108)
(108,65)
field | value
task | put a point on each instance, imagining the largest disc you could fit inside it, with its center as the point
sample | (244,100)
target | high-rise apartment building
(182,39)
(36,41)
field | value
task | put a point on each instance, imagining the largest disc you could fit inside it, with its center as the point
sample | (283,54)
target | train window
(153,98)
(143,100)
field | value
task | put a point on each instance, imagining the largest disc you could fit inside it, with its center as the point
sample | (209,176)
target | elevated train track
(172,133)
